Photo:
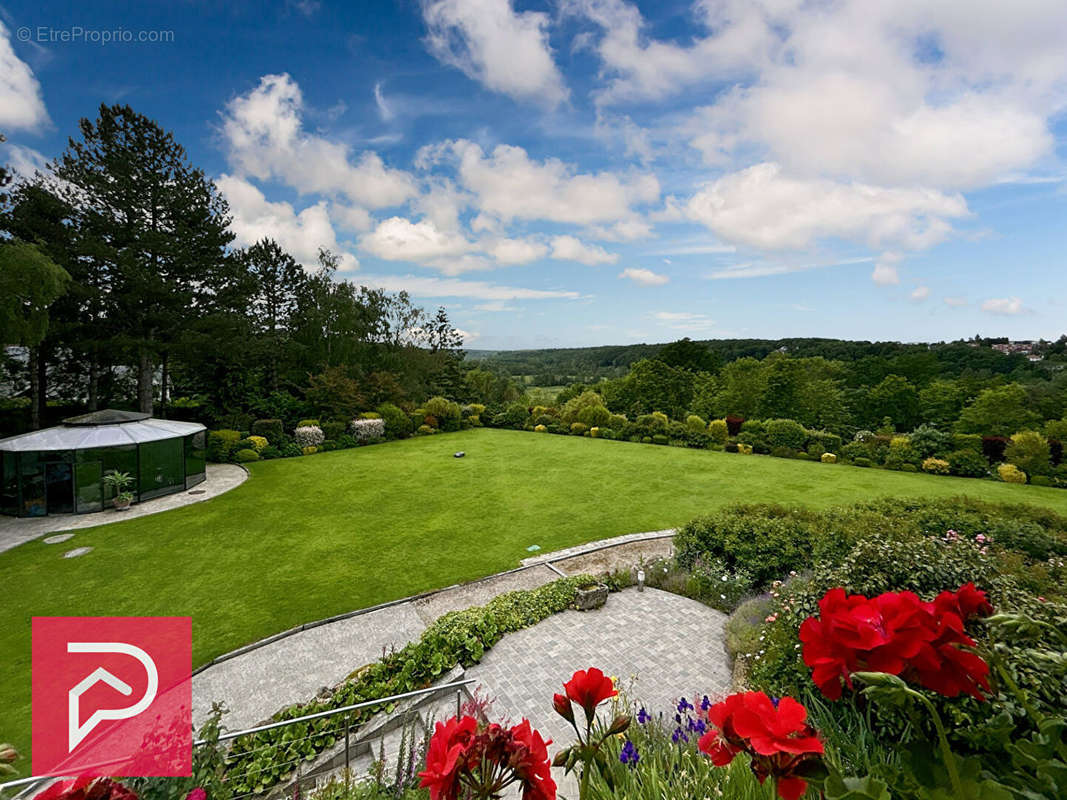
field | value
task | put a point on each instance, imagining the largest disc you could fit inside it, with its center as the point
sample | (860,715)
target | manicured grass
(311,537)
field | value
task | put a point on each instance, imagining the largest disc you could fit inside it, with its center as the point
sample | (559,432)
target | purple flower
(684,705)
(705,704)
(679,735)
(629,754)
(643,716)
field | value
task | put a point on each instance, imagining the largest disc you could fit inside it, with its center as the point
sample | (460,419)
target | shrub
(828,442)
(753,433)
(828,458)
(730,447)
(1041,480)
(993,447)
(516,415)
(909,468)
(1009,473)
(540,428)
(432,421)
(967,441)
(695,423)
(257,442)
(270,429)
(245,455)
(292,450)
(863,462)
(333,429)
(617,422)
(571,411)
(308,436)
(719,431)
(968,464)
(345,441)
(783,452)
(594,416)
(310,450)
(473,410)
(744,449)
(785,433)
(594,433)
(308,423)
(221,444)
(649,423)
(578,428)
(544,419)
(646,440)
(397,423)
(900,453)
(661,438)
(425,429)
(605,433)
(329,445)
(367,430)
(929,442)
(1029,451)
(936,466)
(270,451)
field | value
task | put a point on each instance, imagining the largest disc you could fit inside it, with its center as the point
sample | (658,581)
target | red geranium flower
(775,735)
(528,756)
(446,756)
(899,634)
(87,788)
(589,688)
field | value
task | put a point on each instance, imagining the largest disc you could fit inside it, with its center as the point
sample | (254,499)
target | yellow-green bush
(718,431)
(695,423)
(594,432)
(937,466)
(540,428)
(310,450)
(578,428)
(245,456)
(258,443)
(828,458)
(1009,473)
(424,429)
(744,449)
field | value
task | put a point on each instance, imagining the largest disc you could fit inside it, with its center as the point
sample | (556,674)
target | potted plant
(119,483)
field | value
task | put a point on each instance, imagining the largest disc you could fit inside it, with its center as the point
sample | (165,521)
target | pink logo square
(112,696)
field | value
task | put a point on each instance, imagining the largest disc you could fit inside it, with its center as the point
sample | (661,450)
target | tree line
(120,286)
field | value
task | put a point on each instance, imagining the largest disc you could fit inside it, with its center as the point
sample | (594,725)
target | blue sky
(601,171)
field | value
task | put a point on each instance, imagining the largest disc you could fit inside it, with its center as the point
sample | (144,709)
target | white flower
(724,579)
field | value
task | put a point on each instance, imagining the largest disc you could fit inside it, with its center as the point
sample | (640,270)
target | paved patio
(220,479)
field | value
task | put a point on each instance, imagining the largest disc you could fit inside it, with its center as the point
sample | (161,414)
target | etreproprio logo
(112,696)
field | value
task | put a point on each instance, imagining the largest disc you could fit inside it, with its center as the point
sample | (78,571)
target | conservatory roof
(99,429)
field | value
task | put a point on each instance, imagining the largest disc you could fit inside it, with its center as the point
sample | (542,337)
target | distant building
(1013,348)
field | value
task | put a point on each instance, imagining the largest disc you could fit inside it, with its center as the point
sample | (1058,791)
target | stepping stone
(61,537)
(77,551)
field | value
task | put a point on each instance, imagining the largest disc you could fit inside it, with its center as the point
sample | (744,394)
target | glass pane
(161,468)
(9,484)
(90,490)
(120,459)
(195,458)
(59,486)
(31,476)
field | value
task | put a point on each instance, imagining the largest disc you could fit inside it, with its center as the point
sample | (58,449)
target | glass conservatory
(60,470)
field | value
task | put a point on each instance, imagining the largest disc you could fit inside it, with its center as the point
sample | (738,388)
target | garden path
(220,478)
(258,680)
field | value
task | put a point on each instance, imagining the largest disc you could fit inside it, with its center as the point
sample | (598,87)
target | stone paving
(256,684)
(220,478)
(660,646)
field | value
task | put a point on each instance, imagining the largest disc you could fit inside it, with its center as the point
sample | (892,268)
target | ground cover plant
(291,544)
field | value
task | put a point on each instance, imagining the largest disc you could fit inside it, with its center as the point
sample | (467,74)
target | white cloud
(24,161)
(762,269)
(569,248)
(761,207)
(516,251)
(399,239)
(495,306)
(21,103)
(920,293)
(509,185)
(467,336)
(506,51)
(885,270)
(266,139)
(1008,306)
(684,320)
(423,286)
(301,234)
(644,277)
(384,111)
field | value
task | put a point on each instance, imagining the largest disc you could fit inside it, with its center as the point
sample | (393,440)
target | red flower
(528,757)
(899,634)
(589,688)
(463,758)
(775,735)
(446,756)
(563,707)
(197,794)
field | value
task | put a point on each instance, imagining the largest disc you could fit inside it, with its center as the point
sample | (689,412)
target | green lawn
(311,537)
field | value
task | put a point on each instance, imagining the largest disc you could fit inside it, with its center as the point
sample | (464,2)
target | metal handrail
(328,713)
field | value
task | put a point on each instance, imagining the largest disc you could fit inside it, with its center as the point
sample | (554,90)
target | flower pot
(121,505)
(591,596)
